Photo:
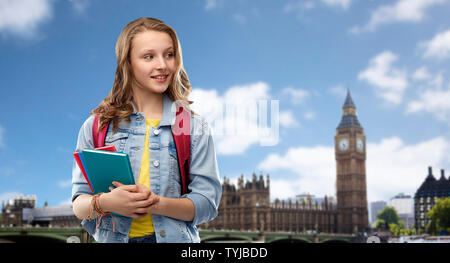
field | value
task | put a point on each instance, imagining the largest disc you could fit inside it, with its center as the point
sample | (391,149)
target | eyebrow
(149,50)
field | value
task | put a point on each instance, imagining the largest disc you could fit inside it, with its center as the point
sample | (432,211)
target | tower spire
(348,100)
(349,117)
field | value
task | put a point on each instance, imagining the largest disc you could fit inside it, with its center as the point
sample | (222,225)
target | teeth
(159,77)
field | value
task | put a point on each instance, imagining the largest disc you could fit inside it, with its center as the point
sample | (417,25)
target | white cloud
(421,73)
(437,81)
(394,167)
(389,82)
(288,120)
(405,11)
(344,4)
(314,166)
(310,115)
(438,47)
(23,17)
(297,96)
(434,101)
(425,79)
(283,189)
(235,117)
(391,167)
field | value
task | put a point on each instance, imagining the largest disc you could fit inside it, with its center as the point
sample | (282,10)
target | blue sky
(57,63)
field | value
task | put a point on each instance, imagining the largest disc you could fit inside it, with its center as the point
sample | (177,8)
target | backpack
(181,137)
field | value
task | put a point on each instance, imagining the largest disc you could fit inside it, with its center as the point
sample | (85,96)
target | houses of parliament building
(247,206)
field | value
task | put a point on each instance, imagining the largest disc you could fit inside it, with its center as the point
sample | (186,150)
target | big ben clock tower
(350,152)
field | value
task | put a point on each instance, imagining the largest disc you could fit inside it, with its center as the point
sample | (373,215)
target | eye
(148,57)
(169,55)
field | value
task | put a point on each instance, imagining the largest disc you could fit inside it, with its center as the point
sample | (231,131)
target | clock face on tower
(360,144)
(343,144)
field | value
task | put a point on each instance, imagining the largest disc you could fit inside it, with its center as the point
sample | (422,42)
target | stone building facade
(12,210)
(21,211)
(247,206)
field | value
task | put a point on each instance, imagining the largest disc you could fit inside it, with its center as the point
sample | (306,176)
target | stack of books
(102,166)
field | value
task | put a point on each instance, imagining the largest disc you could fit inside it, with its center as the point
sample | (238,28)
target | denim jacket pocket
(118,139)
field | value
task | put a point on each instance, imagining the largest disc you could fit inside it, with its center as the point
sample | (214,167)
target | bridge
(42,234)
(77,234)
(210,236)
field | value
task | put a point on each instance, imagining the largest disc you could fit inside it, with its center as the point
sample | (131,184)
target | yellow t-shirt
(144,226)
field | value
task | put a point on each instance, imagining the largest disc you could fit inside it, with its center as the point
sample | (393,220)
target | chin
(159,90)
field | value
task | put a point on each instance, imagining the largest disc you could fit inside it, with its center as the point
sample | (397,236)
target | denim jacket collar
(168,116)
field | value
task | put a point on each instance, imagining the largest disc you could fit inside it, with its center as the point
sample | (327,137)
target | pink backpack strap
(181,131)
(99,137)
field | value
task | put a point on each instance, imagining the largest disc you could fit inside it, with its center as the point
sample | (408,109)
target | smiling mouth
(160,77)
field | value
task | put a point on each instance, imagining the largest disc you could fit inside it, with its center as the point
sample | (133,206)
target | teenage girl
(149,78)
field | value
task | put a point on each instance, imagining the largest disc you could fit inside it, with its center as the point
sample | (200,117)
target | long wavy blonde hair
(117,105)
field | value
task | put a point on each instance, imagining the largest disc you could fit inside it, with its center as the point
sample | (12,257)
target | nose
(161,63)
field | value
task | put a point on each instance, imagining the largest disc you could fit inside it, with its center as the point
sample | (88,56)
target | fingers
(143,189)
(143,193)
(138,188)
(135,197)
(117,184)
(148,202)
(129,188)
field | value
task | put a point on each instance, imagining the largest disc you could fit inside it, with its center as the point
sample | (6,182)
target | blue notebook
(104,167)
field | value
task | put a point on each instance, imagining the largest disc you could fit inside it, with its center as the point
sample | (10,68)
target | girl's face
(152,58)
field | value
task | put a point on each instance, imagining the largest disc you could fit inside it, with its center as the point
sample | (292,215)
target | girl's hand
(141,200)
(152,200)
(125,200)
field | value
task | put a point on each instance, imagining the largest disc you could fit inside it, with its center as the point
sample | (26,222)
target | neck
(148,103)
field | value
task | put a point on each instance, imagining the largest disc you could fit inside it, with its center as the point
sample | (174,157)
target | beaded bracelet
(96,209)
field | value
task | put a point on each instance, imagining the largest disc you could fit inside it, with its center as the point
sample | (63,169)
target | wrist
(104,202)
(160,205)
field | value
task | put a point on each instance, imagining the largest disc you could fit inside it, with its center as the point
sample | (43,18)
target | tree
(389,216)
(439,217)
(394,229)
(380,224)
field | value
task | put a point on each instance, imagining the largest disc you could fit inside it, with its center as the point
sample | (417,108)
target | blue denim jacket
(205,189)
